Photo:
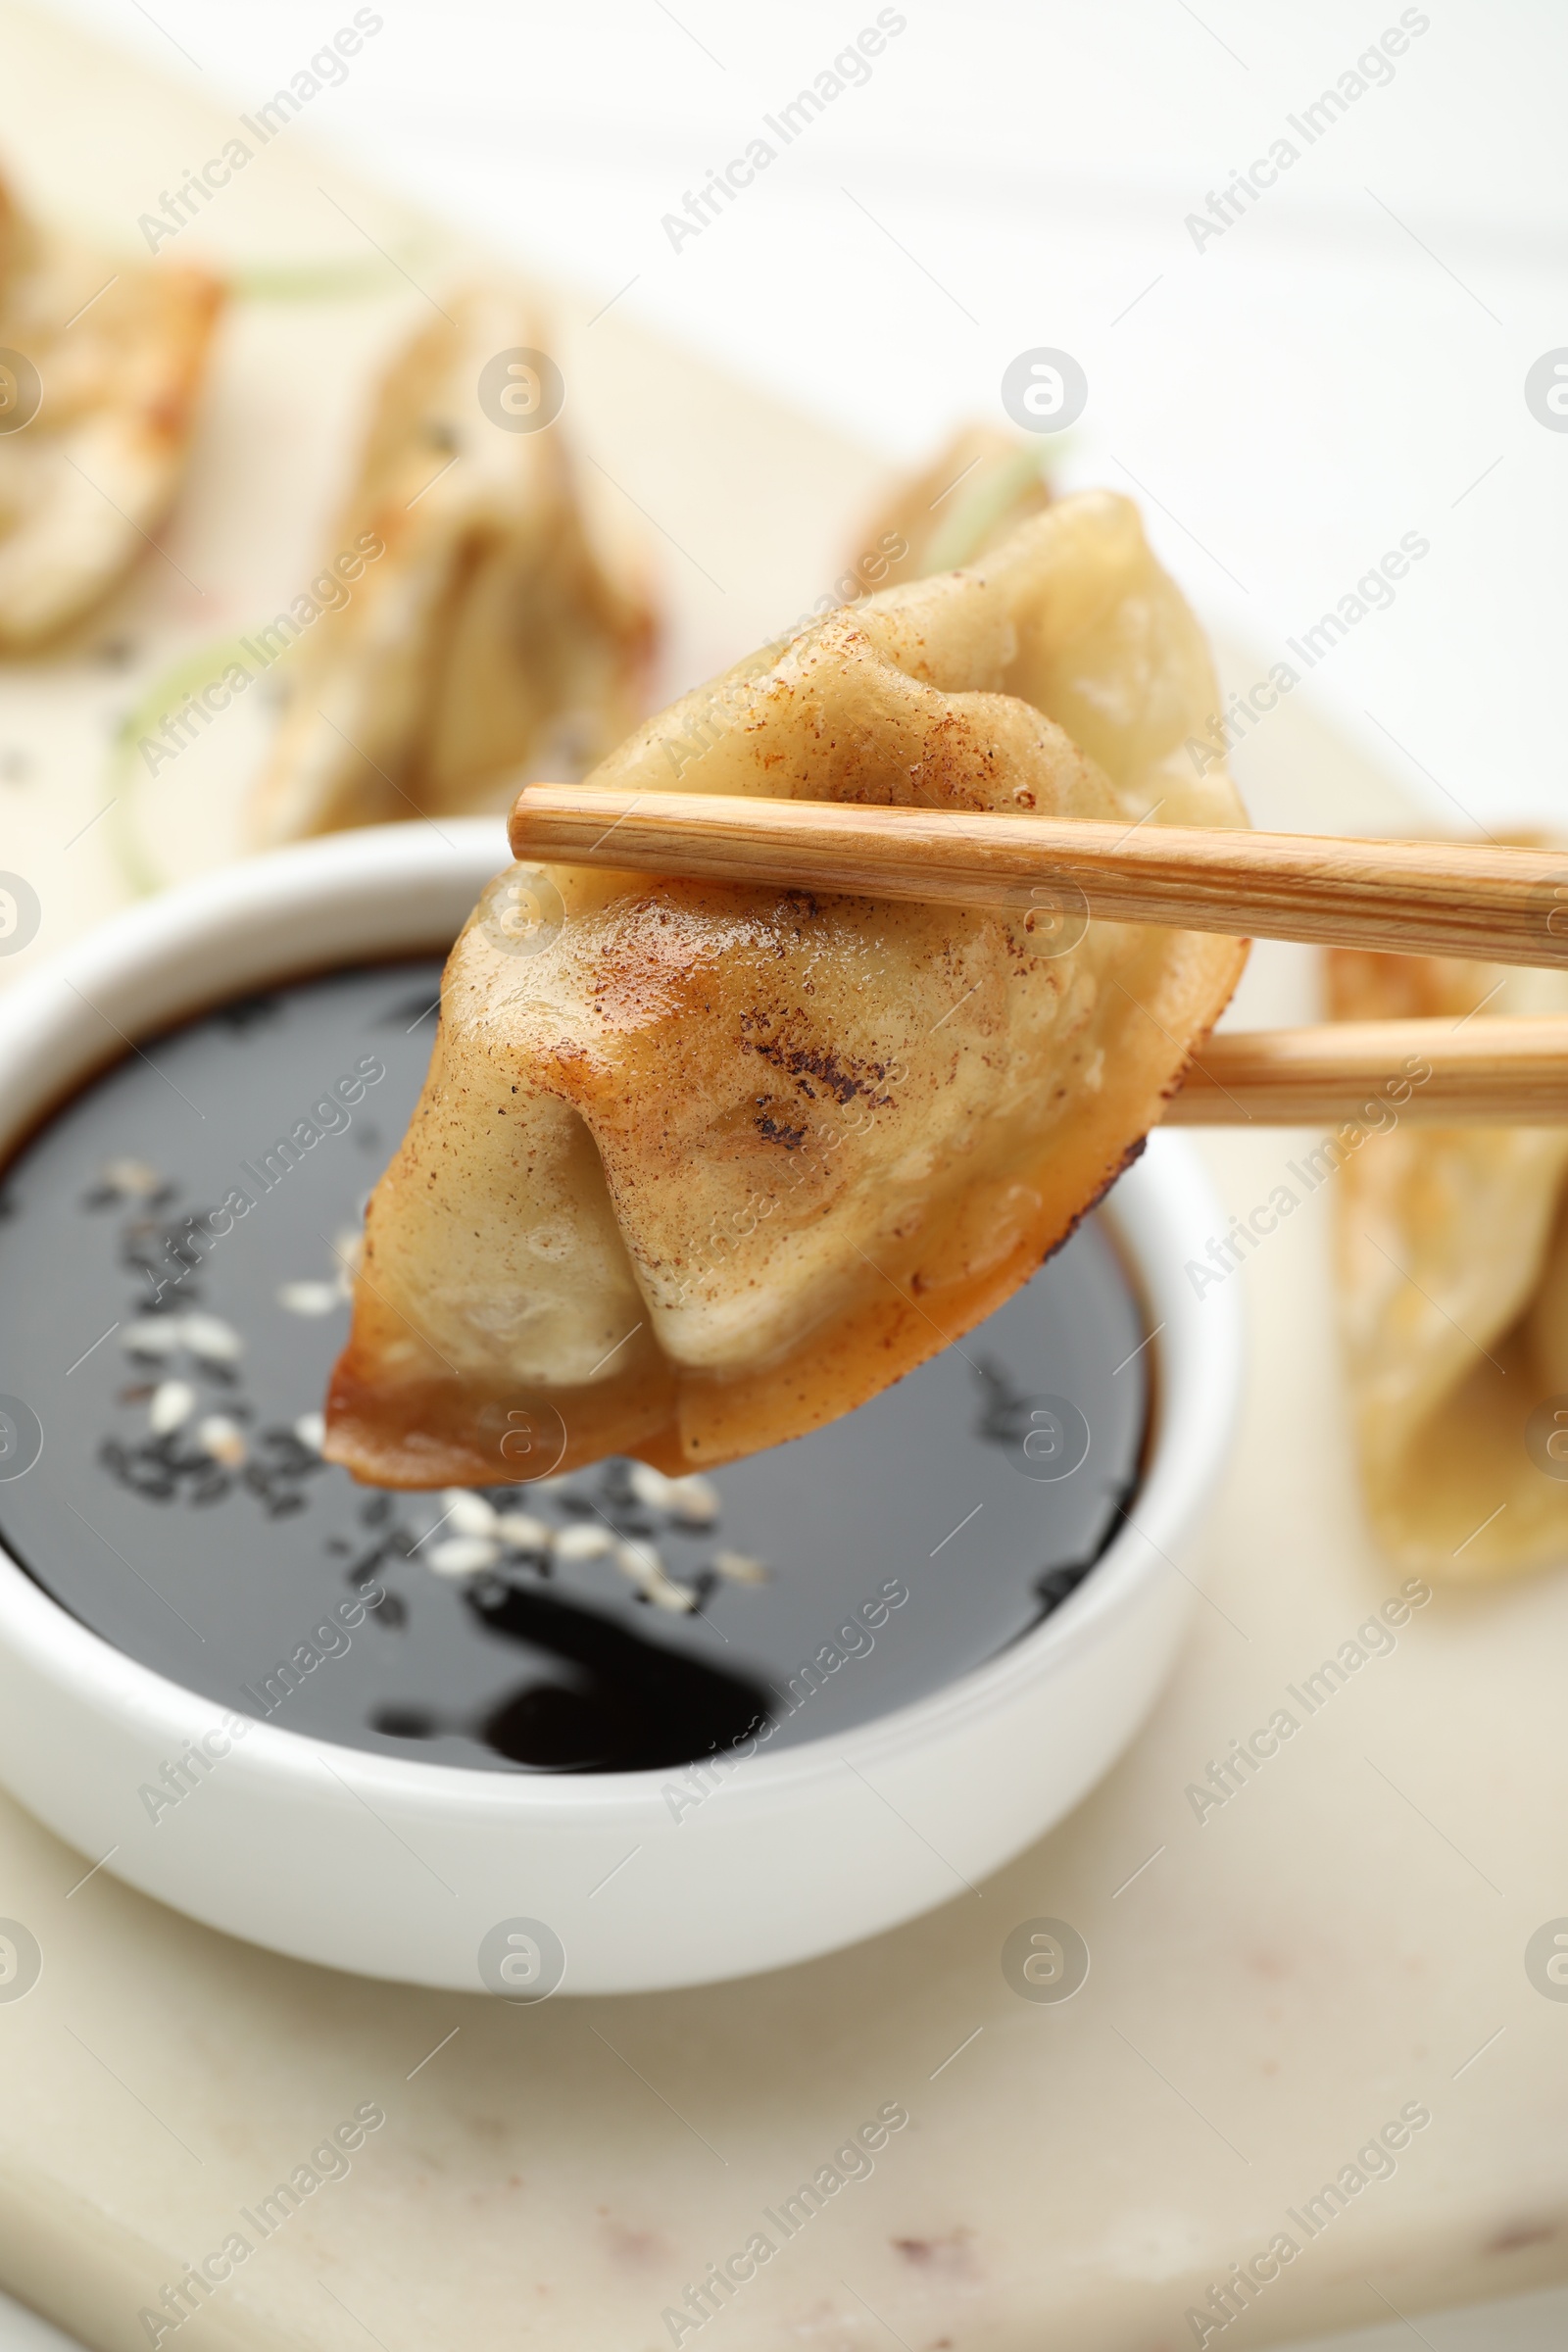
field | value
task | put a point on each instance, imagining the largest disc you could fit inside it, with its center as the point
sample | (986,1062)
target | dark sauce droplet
(172,1298)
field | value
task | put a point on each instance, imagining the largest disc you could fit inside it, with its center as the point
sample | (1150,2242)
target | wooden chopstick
(1506,905)
(1376,1074)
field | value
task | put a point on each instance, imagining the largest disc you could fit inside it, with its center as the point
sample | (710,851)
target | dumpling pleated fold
(699,1167)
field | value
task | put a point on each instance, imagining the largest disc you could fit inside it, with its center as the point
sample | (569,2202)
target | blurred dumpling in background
(494,634)
(1452,1252)
(977,489)
(101,360)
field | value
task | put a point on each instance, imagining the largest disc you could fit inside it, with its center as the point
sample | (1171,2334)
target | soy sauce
(173,1248)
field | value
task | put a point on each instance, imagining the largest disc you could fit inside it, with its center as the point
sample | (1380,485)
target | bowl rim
(1160,1205)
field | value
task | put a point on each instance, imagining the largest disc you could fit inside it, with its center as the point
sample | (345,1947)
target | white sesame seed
(132,1179)
(311,1431)
(649,1486)
(205,1336)
(462,1555)
(222,1438)
(153,1335)
(678,1599)
(642,1563)
(309,1297)
(583,1543)
(173,1402)
(740,1568)
(692,1500)
(639,1562)
(524,1532)
(468,1514)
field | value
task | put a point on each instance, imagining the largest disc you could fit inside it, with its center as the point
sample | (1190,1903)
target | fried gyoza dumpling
(1454,1275)
(491,634)
(712,1165)
(977,491)
(112,358)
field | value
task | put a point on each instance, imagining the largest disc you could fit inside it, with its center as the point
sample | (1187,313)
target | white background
(1344,364)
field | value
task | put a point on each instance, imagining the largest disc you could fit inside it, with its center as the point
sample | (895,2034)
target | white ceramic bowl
(321,1851)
